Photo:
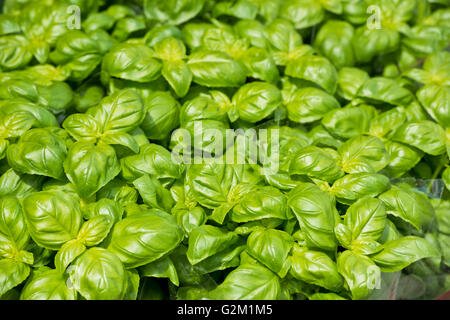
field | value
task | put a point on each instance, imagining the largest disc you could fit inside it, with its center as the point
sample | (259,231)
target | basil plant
(224,149)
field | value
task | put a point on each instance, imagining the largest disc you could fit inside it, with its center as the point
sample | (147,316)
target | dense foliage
(94,206)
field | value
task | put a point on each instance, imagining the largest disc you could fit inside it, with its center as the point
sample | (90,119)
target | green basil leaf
(403,204)
(271,247)
(162,115)
(206,240)
(316,214)
(170,49)
(400,253)
(153,193)
(315,267)
(133,281)
(152,159)
(402,158)
(131,62)
(178,75)
(121,111)
(248,282)
(48,284)
(89,167)
(315,69)
(361,274)
(435,100)
(310,104)
(19,185)
(366,218)
(53,218)
(353,186)
(316,163)
(349,82)
(210,183)
(256,100)
(82,127)
(172,12)
(334,41)
(99,275)
(347,122)
(381,90)
(424,135)
(79,53)
(48,148)
(363,154)
(263,203)
(106,207)
(282,35)
(446,178)
(14,52)
(12,273)
(67,254)
(370,42)
(385,124)
(121,139)
(325,296)
(94,230)
(142,238)
(343,235)
(260,65)
(14,235)
(302,13)
(216,69)
(365,247)
(162,268)
(228,258)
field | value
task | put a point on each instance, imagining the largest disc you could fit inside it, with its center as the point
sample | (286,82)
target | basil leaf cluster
(354,189)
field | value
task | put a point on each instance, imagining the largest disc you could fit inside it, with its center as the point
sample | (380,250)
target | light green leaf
(361,274)
(316,163)
(131,62)
(315,69)
(99,275)
(310,104)
(435,99)
(39,151)
(89,167)
(53,218)
(216,69)
(400,253)
(363,154)
(317,215)
(271,248)
(403,204)
(256,100)
(248,282)
(379,90)
(14,235)
(145,237)
(425,135)
(315,267)
(48,284)
(162,268)
(178,75)
(67,254)
(353,186)
(366,218)
(94,230)
(206,240)
(12,273)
